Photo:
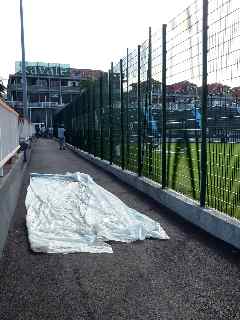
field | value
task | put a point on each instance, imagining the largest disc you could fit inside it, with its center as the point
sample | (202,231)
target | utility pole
(24,78)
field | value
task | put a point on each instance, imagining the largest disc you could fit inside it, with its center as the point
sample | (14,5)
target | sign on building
(41,68)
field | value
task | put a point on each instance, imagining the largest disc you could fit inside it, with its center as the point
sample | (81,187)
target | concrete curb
(9,192)
(214,222)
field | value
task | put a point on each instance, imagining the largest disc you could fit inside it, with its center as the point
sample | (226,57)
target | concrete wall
(214,222)
(10,186)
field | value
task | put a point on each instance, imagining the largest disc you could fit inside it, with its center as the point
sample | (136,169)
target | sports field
(183,171)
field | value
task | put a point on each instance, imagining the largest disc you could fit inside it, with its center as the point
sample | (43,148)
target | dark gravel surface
(191,276)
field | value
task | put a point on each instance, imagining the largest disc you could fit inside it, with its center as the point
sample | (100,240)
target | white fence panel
(26,130)
(9,134)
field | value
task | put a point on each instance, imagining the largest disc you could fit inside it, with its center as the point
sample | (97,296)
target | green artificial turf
(183,171)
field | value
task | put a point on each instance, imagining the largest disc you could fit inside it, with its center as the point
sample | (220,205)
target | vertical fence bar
(82,123)
(150,100)
(90,117)
(101,115)
(94,118)
(88,120)
(164,105)
(204,102)
(84,119)
(122,116)
(111,112)
(139,113)
(127,119)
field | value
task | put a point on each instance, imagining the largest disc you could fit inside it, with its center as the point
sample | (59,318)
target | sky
(82,33)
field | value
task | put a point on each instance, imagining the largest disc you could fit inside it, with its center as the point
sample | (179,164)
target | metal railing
(170,109)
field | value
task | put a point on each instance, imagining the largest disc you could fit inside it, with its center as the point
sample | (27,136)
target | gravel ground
(190,276)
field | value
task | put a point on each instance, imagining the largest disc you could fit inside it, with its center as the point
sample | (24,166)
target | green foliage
(2,88)
(85,84)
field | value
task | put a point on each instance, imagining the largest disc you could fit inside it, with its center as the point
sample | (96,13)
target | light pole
(24,78)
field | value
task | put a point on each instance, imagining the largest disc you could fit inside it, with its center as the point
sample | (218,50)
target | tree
(2,89)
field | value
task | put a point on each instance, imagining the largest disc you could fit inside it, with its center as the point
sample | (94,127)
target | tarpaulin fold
(71,213)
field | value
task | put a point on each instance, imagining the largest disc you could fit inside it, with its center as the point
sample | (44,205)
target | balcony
(37,105)
(37,88)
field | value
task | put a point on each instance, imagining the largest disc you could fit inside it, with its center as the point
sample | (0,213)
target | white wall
(13,130)
(9,134)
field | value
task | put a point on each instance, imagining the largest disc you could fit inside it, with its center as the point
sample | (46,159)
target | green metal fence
(170,109)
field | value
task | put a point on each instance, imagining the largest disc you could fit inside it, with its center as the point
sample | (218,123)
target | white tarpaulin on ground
(71,213)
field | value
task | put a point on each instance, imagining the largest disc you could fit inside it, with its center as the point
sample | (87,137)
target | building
(236,92)
(51,87)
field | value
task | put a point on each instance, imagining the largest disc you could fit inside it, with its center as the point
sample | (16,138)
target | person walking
(61,137)
(50,130)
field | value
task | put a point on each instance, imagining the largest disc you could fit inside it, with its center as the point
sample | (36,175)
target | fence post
(164,105)
(80,122)
(93,118)
(88,120)
(101,115)
(109,110)
(110,79)
(150,99)
(84,121)
(139,112)
(127,120)
(204,102)
(122,116)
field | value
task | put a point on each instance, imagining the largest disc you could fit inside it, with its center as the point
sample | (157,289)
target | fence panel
(145,111)
(120,117)
(116,115)
(125,137)
(223,107)
(85,121)
(184,68)
(151,99)
(132,112)
(97,119)
(105,118)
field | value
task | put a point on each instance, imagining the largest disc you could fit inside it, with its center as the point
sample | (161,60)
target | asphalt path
(190,276)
